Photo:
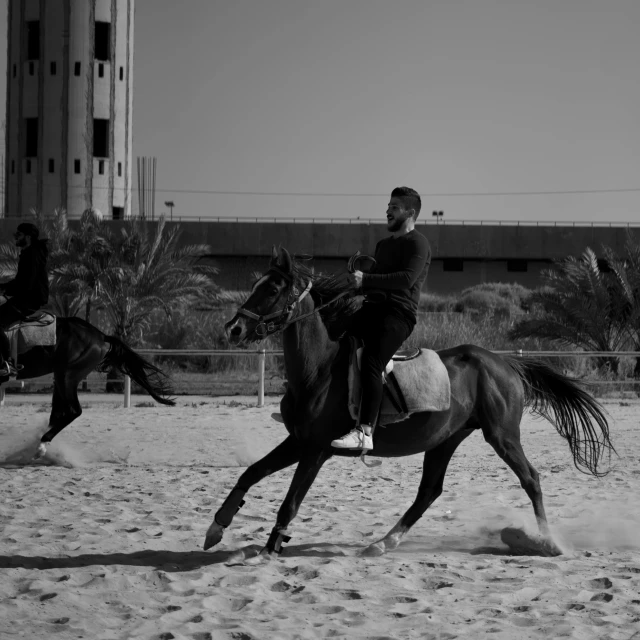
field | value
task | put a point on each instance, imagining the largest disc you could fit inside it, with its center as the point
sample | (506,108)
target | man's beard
(395,224)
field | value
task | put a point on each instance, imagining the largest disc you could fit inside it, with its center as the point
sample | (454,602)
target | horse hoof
(214,535)
(40,451)
(374,550)
(524,544)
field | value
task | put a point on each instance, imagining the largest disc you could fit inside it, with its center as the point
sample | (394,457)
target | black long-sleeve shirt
(401,268)
(30,288)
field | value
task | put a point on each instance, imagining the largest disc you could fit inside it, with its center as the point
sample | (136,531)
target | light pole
(437,215)
(170,204)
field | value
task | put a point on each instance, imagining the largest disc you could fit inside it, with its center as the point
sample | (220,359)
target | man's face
(397,214)
(21,239)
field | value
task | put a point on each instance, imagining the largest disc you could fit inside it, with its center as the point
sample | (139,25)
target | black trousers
(10,314)
(383,330)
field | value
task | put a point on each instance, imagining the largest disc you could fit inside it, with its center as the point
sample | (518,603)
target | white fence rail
(263,353)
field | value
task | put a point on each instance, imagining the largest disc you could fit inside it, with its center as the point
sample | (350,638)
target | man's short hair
(410,197)
(29,229)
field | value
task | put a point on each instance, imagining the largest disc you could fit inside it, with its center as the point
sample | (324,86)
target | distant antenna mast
(147,187)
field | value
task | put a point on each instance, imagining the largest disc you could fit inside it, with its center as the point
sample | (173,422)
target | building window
(33,40)
(31,137)
(519,266)
(76,166)
(118,213)
(28,166)
(76,69)
(121,74)
(103,41)
(101,167)
(32,68)
(52,165)
(100,70)
(100,138)
(452,264)
(54,68)
(119,169)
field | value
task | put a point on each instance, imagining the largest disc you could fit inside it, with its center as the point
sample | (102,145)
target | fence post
(127,392)
(261,362)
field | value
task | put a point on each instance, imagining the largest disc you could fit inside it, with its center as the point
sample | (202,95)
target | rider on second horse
(388,316)
(29,290)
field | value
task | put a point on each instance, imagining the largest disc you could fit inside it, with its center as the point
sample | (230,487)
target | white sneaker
(355,439)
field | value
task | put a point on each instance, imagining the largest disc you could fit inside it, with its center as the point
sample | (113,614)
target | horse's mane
(326,287)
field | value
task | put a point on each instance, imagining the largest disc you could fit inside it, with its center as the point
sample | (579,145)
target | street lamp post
(170,204)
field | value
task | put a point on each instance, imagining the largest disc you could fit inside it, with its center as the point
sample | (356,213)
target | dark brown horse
(80,349)
(488,393)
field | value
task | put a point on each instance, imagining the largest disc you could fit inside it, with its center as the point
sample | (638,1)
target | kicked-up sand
(103,539)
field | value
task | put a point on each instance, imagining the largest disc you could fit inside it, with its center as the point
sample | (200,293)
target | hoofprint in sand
(105,541)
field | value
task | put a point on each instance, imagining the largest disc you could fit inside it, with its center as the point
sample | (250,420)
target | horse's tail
(576,415)
(154,381)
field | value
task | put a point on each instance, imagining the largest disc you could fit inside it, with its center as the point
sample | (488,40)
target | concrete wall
(241,249)
(66,105)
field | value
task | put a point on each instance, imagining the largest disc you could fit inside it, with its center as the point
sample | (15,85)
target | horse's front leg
(306,472)
(284,455)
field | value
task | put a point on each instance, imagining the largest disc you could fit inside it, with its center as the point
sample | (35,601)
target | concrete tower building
(69,106)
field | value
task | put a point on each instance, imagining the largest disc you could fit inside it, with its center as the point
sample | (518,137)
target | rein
(264,328)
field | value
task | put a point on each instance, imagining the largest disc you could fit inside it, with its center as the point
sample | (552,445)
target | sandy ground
(104,540)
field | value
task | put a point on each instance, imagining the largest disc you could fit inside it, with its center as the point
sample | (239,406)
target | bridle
(281,319)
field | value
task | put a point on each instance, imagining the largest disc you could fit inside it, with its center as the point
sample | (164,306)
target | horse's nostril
(236,331)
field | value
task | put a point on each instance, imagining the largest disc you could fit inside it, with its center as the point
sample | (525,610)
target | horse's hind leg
(434,469)
(505,439)
(283,456)
(65,408)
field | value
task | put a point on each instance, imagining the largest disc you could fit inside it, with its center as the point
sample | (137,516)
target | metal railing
(423,221)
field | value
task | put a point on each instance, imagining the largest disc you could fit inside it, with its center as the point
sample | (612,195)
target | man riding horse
(29,290)
(387,318)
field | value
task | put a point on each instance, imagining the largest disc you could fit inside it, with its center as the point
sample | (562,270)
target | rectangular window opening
(101,167)
(453,264)
(54,68)
(52,165)
(121,74)
(100,138)
(33,40)
(100,70)
(517,265)
(76,69)
(76,166)
(103,41)
(119,169)
(118,213)
(31,137)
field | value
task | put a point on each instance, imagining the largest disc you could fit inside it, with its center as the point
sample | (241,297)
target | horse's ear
(274,255)
(285,262)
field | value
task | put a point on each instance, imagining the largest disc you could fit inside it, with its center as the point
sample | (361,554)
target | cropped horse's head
(269,303)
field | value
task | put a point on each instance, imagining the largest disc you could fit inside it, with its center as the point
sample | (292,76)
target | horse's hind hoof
(40,451)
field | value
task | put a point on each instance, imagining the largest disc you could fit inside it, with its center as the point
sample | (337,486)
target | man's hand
(355,279)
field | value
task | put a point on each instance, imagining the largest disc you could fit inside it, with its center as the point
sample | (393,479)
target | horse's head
(270,303)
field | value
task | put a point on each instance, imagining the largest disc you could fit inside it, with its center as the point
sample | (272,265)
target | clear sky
(359,96)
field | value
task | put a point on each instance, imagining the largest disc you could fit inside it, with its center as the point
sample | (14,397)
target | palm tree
(148,272)
(626,269)
(579,306)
